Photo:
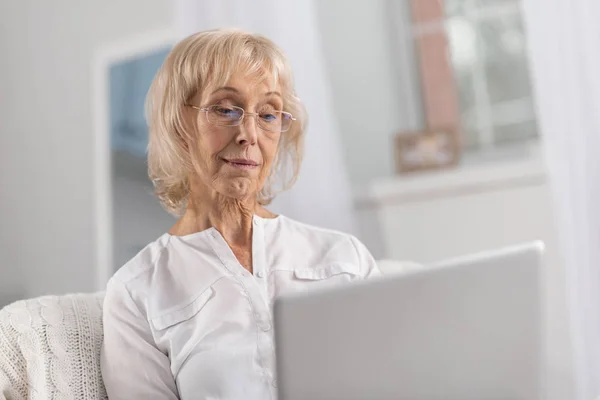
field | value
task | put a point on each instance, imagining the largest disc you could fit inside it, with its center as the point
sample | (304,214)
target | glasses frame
(241,120)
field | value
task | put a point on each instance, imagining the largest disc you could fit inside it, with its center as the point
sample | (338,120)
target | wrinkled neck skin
(232,217)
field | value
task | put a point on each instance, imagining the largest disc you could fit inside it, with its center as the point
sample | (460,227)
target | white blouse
(183,319)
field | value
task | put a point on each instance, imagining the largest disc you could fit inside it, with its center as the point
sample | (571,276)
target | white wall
(365,68)
(46,142)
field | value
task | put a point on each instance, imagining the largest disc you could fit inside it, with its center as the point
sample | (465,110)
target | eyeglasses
(272,121)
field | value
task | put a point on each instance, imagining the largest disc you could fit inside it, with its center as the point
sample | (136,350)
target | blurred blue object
(129,83)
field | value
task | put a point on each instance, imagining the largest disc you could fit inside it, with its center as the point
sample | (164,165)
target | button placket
(261,312)
(258,289)
(255,288)
(259,259)
(259,284)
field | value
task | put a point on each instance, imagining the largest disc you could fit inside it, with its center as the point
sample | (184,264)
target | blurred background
(425,138)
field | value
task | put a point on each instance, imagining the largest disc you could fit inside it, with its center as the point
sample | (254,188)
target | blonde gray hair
(206,60)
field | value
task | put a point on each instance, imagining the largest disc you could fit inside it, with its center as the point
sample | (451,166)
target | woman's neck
(231,217)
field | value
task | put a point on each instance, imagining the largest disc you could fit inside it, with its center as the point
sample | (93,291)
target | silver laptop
(466,329)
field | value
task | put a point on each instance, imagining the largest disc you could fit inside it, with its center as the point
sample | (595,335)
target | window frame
(488,115)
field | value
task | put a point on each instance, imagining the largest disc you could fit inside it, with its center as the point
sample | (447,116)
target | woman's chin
(240,189)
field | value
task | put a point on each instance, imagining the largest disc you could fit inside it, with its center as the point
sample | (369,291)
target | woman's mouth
(241,163)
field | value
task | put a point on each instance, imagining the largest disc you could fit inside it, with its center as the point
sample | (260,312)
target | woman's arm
(132,366)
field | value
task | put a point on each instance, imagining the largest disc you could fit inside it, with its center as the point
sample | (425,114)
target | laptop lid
(465,329)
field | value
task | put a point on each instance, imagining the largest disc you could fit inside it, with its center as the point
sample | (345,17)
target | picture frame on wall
(426,151)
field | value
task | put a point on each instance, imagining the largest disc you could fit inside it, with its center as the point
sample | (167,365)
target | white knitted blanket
(50,348)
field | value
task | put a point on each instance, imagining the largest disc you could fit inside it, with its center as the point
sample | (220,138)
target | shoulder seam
(152,263)
(130,298)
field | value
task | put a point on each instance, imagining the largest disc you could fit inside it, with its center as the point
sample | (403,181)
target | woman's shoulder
(143,262)
(317,237)
(302,229)
(308,247)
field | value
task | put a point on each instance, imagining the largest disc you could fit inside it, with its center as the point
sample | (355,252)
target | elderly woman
(190,316)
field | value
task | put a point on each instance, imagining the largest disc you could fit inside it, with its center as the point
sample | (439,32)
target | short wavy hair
(204,61)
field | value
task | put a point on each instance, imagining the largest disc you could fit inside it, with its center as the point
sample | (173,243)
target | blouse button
(260,274)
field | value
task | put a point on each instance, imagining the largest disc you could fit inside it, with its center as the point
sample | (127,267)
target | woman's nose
(248,131)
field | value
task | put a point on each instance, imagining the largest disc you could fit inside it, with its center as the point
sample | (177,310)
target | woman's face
(235,161)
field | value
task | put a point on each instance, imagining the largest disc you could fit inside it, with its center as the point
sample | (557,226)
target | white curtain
(564,42)
(321,196)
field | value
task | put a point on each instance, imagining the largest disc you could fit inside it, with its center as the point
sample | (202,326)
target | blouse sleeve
(132,366)
(368,266)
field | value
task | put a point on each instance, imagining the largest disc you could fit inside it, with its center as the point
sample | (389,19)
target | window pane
(466,91)
(505,59)
(512,112)
(455,7)
(464,54)
(516,132)
(490,68)
(470,129)
(463,75)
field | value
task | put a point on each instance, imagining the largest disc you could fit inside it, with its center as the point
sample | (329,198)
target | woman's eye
(268,116)
(271,116)
(224,110)
(229,113)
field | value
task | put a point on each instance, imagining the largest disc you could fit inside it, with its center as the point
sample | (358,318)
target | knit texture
(50,348)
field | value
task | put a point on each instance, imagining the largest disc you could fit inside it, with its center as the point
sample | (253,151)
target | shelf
(477,173)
